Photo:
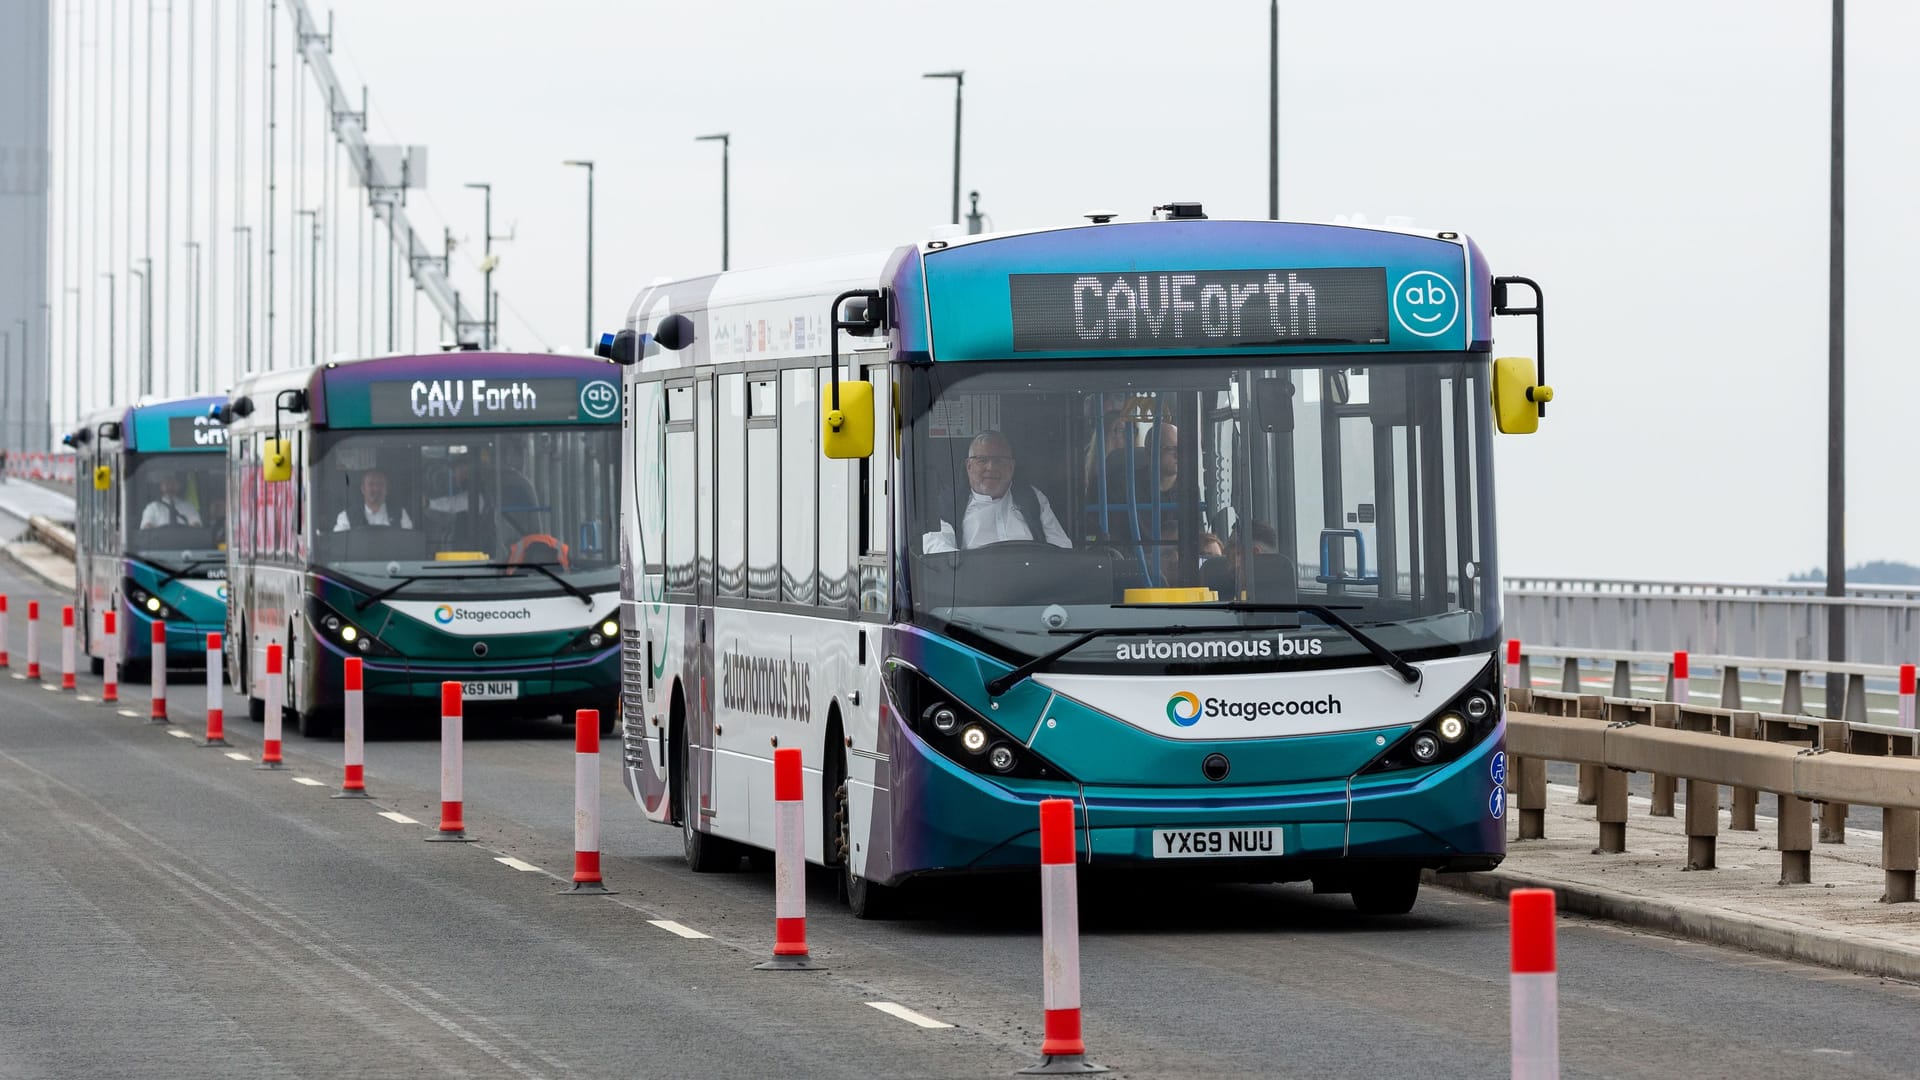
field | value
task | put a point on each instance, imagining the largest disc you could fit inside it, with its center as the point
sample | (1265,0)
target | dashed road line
(128,713)
(83,697)
(904,1013)
(394,815)
(178,734)
(309,781)
(238,756)
(508,860)
(672,927)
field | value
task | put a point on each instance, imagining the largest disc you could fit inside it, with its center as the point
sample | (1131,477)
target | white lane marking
(507,860)
(403,819)
(672,927)
(237,756)
(309,781)
(50,688)
(83,697)
(907,1014)
(178,734)
(128,713)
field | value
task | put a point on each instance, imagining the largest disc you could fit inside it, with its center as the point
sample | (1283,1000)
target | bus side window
(678,472)
(836,516)
(799,431)
(876,471)
(729,488)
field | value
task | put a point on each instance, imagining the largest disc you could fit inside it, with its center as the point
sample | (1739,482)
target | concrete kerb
(1784,940)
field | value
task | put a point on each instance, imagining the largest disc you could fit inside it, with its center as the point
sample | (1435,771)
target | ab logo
(1426,304)
(599,400)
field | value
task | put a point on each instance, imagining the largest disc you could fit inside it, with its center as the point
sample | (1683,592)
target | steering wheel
(518,552)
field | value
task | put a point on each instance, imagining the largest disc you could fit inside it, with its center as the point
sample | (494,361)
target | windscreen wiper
(1325,613)
(1039,663)
(386,592)
(191,566)
(547,569)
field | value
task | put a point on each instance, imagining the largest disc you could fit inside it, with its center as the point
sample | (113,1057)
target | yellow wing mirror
(276,460)
(1517,397)
(847,431)
(102,477)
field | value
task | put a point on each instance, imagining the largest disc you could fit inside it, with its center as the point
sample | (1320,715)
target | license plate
(1215,843)
(490,691)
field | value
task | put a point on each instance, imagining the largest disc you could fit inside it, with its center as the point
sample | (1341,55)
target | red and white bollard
(1535,986)
(1906,684)
(453,825)
(159,676)
(110,632)
(276,699)
(1062,1050)
(216,691)
(586,803)
(353,734)
(5,660)
(1682,690)
(1513,663)
(33,639)
(66,648)
(789,866)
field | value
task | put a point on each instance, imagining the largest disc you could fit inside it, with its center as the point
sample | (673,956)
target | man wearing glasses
(996,510)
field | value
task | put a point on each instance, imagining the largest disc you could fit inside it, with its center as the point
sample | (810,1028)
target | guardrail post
(1793,696)
(1795,841)
(1622,679)
(1745,799)
(1570,675)
(1730,687)
(1703,823)
(1611,811)
(1530,788)
(1665,714)
(1856,704)
(1834,737)
(1899,853)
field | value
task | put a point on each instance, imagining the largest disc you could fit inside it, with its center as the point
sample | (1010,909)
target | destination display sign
(1199,309)
(195,433)
(492,401)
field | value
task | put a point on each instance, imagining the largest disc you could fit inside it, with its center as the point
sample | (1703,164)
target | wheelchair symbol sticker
(1500,767)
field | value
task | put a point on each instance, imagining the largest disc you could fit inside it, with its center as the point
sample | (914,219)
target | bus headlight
(974,739)
(1425,748)
(153,604)
(1478,706)
(1450,731)
(332,622)
(1002,758)
(610,628)
(943,718)
(1451,727)
(348,634)
(955,732)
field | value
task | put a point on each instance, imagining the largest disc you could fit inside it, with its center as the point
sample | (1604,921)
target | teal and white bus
(150,507)
(1188,521)
(443,517)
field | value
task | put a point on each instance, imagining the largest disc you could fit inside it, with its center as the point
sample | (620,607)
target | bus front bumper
(518,687)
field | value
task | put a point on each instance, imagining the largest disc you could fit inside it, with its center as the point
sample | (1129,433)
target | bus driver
(995,510)
(371,509)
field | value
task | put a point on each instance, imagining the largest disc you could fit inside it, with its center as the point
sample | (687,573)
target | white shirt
(374,517)
(991,520)
(169,510)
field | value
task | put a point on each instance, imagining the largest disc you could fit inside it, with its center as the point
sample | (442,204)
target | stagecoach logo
(1426,304)
(1183,709)
(443,614)
(1186,709)
(769,685)
(599,400)
(221,592)
(446,614)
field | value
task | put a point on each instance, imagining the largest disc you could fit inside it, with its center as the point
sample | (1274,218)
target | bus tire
(318,723)
(705,852)
(97,665)
(865,899)
(1387,892)
(610,720)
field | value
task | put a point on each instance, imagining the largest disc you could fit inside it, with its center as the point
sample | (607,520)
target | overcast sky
(1660,167)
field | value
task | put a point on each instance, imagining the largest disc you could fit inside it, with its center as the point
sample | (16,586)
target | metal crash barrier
(1802,760)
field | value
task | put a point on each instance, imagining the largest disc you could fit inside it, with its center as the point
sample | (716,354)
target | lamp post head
(479,186)
(956,76)
(588,165)
(724,138)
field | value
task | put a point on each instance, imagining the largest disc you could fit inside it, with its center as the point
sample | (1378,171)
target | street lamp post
(145,274)
(959,80)
(486,265)
(313,284)
(1836,363)
(73,372)
(588,165)
(1273,109)
(26,359)
(725,140)
(113,388)
(193,315)
(245,232)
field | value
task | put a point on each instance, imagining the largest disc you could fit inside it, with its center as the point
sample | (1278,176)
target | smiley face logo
(599,400)
(1183,709)
(1426,304)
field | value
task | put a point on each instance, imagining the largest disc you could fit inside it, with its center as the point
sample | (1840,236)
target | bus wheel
(610,720)
(866,899)
(1387,892)
(316,723)
(705,852)
(97,665)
